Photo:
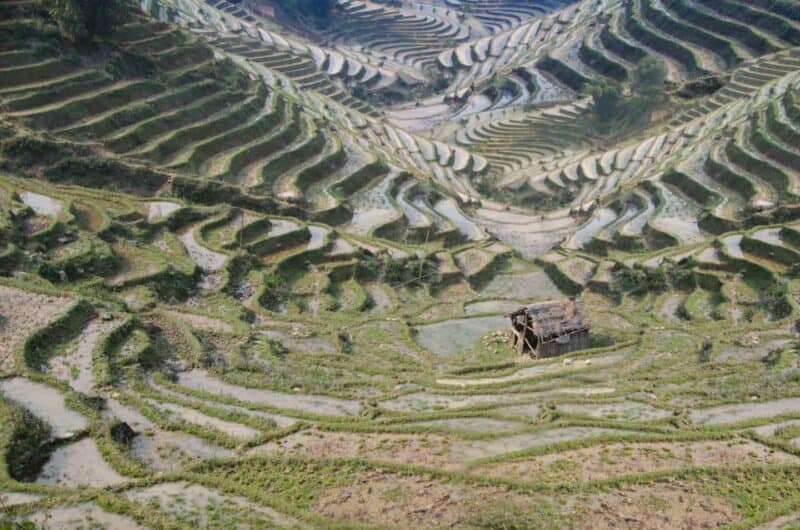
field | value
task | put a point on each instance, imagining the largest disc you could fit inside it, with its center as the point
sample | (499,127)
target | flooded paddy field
(202,381)
(452,337)
(79,464)
(45,403)
(204,507)
(746,411)
(85,515)
(470,425)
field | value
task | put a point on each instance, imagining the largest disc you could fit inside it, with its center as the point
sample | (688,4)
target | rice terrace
(401,264)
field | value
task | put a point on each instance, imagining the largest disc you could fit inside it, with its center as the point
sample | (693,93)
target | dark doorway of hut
(548,329)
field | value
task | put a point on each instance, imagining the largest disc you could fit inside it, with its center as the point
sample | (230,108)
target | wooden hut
(548,329)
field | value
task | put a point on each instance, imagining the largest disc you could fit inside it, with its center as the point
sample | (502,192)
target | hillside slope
(254,271)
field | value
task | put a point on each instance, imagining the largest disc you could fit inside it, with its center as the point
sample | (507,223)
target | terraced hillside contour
(234,294)
(564,54)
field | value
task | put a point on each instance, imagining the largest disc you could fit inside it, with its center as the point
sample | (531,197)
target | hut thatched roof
(555,318)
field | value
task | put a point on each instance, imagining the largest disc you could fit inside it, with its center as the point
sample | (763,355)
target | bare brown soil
(22,312)
(602,462)
(427,450)
(402,502)
(677,506)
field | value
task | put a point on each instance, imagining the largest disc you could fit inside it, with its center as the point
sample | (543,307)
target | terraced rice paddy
(255,267)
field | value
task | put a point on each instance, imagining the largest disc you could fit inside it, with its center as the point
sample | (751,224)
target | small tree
(648,79)
(83,20)
(613,105)
(607,97)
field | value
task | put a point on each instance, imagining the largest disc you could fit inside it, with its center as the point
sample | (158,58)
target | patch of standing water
(424,402)
(13,498)
(206,508)
(670,307)
(547,90)
(81,517)
(732,247)
(41,204)
(201,380)
(278,227)
(772,428)
(527,285)
(528,411)
(76,366)
(189,415)
(317,237)
(709,255)
(750,353)
(420,203)
(630,212)
(156,211)
(452,337)
(280,421)
(449,209)
(637,222)
(769,235)
(79,464)
(372,207)
(679,217)
(477,103)
(586,233)
(487,448)
(533,371)
(169,451)
(496,307)
(134,418)
(45,403)
(629,411)
(471,425)
(415,217)
(586,391)
(745,411)
(340,247)
(159,449)
(206,259)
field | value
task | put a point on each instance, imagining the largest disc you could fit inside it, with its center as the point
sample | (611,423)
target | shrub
(410,271)
(611,105)
(649,78)
(276,348)
(704,355)
(638,280)
(83,20)
(345,342)
(607,97)
(656,279)
(683,277)
(773,358)
(27,449)
(399,272)
(275,292)
(438,80)
(775,302)
(632,280)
